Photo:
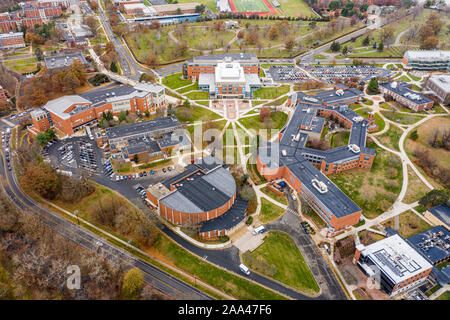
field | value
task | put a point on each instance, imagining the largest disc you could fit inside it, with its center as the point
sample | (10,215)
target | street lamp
(76,213)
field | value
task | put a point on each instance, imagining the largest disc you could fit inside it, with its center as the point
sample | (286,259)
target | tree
(366,41)
(136,158)
(264,114)
(200,8)
(113,67)
(133,283)
(435,198)
(414,135)
(151,60)
(289,44)
(372,87)
(41,180)
(335,4)
(425,32)
(122,116)
(430,43)
(273,32)
(335,46)
(345,51)
(380,46)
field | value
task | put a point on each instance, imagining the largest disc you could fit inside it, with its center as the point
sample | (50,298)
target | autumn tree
(151,60)
(273,32)
(289,44)
(42,180)
(264,113)
(430,43)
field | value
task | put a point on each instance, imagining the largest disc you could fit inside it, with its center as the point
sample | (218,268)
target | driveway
(289,223)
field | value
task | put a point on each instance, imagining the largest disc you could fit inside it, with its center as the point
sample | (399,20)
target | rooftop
(142,127)
(434,243)
(199,190)
(402,90)
(227,220)
(442,81)
(428,55)
(63,60)
(237,57)
(396,258)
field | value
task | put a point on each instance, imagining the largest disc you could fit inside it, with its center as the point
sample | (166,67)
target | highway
(157,278)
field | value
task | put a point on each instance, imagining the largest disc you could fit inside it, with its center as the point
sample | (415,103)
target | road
(129,66)
(155,277)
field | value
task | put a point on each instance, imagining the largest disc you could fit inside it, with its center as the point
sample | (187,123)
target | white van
(244,269)
(259,230)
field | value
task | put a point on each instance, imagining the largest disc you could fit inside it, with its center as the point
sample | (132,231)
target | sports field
(252,6)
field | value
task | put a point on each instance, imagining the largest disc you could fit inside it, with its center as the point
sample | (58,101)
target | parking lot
(287,73)
(363,72)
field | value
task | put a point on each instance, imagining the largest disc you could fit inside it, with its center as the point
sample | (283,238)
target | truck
(259,230)
(244,269)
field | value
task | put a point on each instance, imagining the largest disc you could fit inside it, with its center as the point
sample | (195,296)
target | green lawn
(197,95)
(230,284)
(21,66)
(414,77)
(279,258)
(269,211)
(188,88)
(269,93)
(277,197)
(375,190)
(296,8)
(278,120)
(194,114)
(175,81)
(444,296)
(401,117)
(410,224)
(391,138)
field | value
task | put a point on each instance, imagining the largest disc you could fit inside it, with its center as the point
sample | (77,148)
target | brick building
(204,193)
(397,265)
(400,91)
(207,64)
(439,85)
(305,169)
(71,113)
(12,40)
(175,9)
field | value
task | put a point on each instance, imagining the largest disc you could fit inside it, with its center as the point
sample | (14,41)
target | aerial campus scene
(225,150)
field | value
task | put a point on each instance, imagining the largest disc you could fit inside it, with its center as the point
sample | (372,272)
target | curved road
(157,278)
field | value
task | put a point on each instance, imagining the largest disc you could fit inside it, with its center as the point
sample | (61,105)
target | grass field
(279,258)
(222,280)
(277,197)
(21,66)
(410,224)
(270,92)
(278,121)
(375,190)
(250,6)
(296,8)
(195,114)
(416,188)
(391,138)
(269,211)
(175,81)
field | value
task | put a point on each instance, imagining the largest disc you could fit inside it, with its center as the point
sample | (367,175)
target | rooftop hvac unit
(297,137)
(394,85)
(284,153)
(358,119)
(340,92)
(319,185)
(354,148)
